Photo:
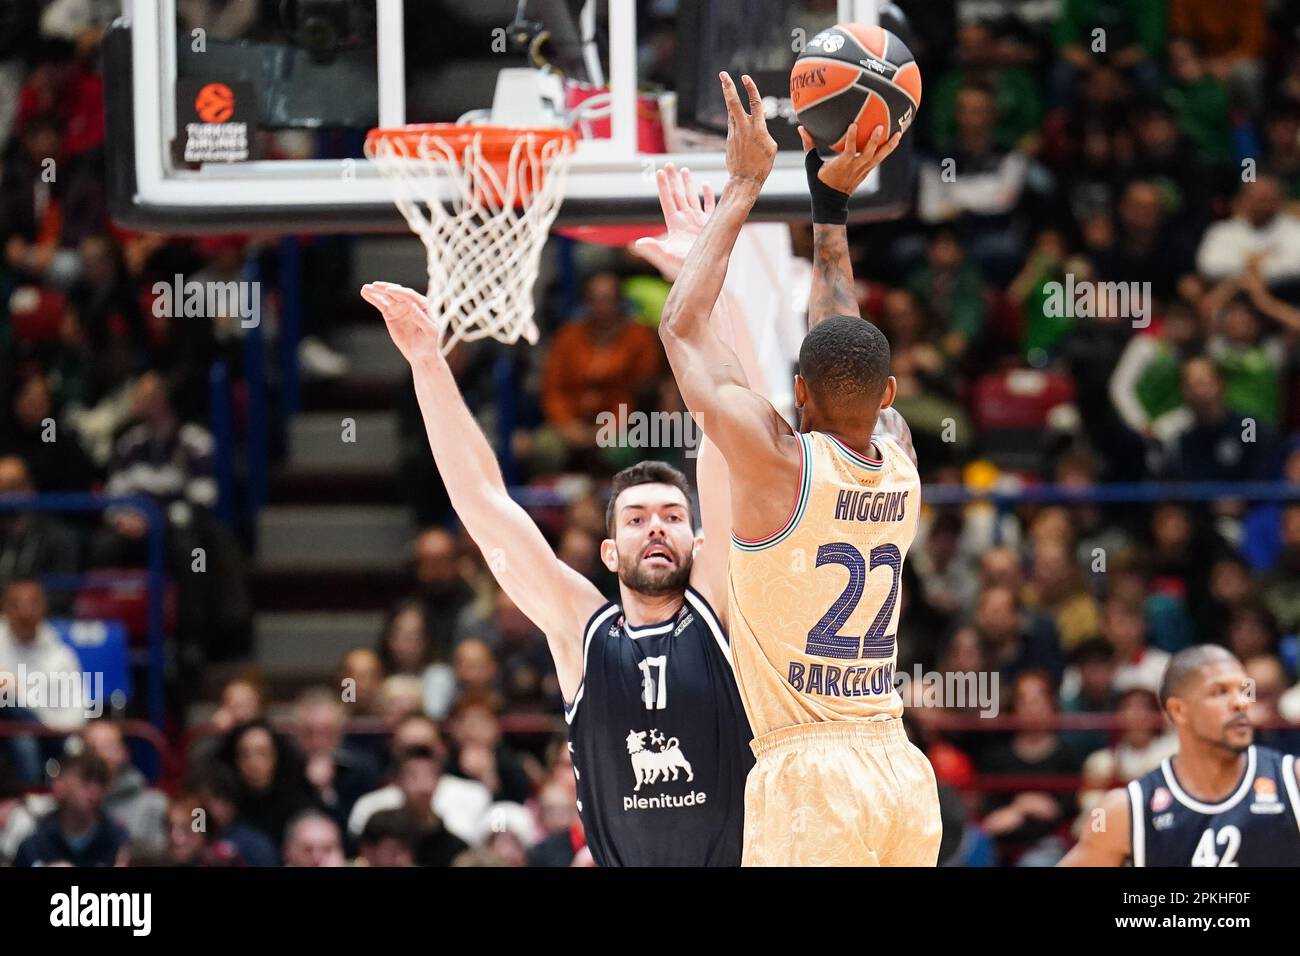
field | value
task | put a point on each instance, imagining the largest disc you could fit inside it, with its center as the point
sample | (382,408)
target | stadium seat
(101,647)
(123,595)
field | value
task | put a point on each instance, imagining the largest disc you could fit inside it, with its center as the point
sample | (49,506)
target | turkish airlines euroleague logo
(215,103)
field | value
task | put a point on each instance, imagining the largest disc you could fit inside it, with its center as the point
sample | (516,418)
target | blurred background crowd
(1172,158)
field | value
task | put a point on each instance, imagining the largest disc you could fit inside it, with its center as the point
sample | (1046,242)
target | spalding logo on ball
(855,72)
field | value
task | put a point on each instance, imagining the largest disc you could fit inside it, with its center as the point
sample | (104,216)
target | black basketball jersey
(660,741)
(1258,825)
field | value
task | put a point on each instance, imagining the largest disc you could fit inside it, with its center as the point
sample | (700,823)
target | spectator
(1282,142)
(1057,588)
(54,457)
(418,772)
(339,774)
(1129,34)
(1140,666)
(1088,688)
(42,672)
(32,543)
(460,803)
(1200,103)
(1266,673)
(475,668)
(361,676)
(271,778)
(1146,383)
(1280,589)
(602,361)
(1233,39)
(170,462)
(1252,632)
(217,790)
(1259,225)
(563,841)
(926,394)
(389,839)
(1147,247)
(478,753)
(405,649)
(129,801)
(1144,741)
(982,199)
(313,839)
(1012,641)
(1019,106)
(441,587)
(1206,439)
(1024,819)
(952,289)
(78,831)
(511,833)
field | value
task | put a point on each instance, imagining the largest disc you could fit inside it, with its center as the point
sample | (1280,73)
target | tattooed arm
(831,184)
(833,290)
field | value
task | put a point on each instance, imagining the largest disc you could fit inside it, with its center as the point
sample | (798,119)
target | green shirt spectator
(1126,22)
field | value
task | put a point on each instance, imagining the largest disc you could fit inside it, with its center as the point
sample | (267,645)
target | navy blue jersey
(1258,825)
(660,741)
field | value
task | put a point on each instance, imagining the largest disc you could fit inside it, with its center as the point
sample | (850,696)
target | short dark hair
(845,357)
(1092,650)
(415,753)
(86,765)
(644,473)
(389,825)
(1185,665)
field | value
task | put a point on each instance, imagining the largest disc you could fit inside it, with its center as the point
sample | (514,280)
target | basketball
(850,72)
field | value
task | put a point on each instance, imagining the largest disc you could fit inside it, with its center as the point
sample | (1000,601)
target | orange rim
(496,141)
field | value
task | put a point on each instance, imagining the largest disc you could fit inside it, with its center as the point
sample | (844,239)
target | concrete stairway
(332,543)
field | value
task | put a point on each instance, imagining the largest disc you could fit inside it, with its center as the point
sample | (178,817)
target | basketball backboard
(256,120)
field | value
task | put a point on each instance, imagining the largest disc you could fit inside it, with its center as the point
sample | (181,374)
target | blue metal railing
(1256,492)
(157,570)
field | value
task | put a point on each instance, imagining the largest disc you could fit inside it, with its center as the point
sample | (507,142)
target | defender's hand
(407,315)
(850,168)
(751,149)
(685,214)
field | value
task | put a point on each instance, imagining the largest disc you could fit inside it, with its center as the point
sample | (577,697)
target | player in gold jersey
(822,520)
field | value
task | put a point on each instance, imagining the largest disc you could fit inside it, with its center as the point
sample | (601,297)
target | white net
(483,226)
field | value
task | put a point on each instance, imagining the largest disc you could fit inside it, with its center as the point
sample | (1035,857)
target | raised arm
(685,214)
(760,449)
(831,184)
(556,598)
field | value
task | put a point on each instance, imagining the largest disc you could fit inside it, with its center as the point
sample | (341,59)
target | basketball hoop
(482,200)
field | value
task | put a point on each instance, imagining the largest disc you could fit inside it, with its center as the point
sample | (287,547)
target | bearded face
(653,540)
(655,569)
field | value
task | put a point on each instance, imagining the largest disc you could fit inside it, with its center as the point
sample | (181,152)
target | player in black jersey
(658,734)
(1221,801)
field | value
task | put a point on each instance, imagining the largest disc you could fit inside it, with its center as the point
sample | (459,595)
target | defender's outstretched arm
(745,427)
(685,215)
(556,598)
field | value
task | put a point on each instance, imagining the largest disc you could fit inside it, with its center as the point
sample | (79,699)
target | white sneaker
(318,360)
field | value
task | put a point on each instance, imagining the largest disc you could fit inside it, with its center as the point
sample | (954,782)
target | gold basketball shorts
(841,793)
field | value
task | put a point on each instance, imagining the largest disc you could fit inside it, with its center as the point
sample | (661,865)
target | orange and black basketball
(855,72)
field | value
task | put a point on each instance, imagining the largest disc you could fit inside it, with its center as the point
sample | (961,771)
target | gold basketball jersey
(814,606)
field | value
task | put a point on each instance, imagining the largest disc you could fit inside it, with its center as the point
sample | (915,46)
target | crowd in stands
(1163,151)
